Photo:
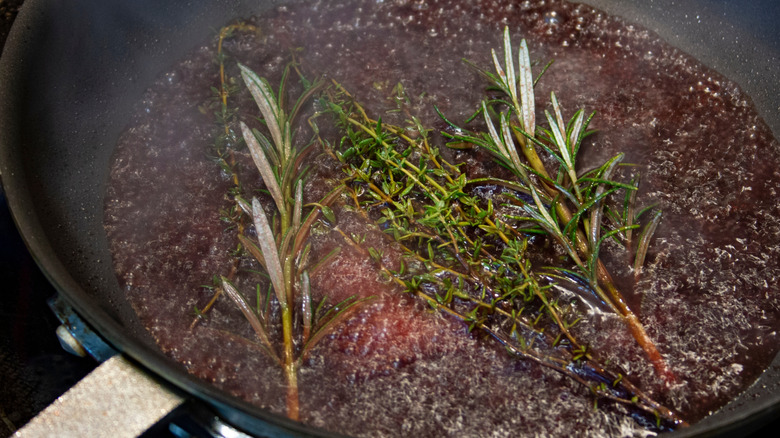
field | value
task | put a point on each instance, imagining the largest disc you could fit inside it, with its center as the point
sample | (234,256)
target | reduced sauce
(708,297)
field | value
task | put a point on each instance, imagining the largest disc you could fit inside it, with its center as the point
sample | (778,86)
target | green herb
(468,255)
(568,207)
(226,141)
(279,247)
(282,231)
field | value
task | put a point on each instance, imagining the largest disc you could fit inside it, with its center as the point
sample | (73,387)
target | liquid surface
(708,297)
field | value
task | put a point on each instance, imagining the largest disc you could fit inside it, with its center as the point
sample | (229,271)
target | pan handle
(117,399)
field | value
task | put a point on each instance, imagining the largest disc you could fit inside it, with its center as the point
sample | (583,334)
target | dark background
(34,370)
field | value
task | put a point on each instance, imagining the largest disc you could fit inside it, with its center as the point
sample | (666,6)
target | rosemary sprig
(280,246)
(569,207)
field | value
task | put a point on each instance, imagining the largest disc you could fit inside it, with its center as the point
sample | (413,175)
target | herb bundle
(466,255)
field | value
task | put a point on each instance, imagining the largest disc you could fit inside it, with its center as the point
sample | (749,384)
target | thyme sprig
(226,142)
(574,362)
(462,255)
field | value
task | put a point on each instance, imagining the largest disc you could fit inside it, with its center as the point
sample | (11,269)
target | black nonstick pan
(72,71)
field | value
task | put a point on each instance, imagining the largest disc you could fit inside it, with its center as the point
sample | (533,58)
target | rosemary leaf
(526,88)
(306,310)
(596,211)
(261,161)
(264,97)
(249,314)
(265,238)
(644,242)
(298,206)
(345,309)
(252,248)
(510,66)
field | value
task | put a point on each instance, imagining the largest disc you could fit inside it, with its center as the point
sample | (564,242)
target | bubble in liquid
(551,18)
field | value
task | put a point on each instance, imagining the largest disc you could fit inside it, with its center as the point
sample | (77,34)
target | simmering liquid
(708,297)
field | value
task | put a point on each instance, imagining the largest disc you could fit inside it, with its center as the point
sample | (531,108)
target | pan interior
(71,115)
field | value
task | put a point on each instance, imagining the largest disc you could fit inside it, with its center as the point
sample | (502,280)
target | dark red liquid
(708,297)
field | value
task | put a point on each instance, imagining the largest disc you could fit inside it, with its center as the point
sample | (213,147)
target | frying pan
(72,71)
